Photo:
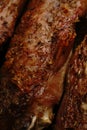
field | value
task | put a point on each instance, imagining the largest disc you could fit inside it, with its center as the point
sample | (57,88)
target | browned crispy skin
(73,110)
(31,75)
(9,12)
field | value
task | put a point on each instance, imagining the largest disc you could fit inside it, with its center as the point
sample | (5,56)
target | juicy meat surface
(29,79)
(73,109)
(9,11)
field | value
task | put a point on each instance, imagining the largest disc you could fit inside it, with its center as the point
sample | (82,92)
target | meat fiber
(73,110)
(30,79)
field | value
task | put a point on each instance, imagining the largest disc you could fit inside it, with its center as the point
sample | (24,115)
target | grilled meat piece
(9,12)
(40,112)
(73,110)
(29,79)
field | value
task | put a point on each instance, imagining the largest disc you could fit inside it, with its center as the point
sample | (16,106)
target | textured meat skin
(38,50)
(9,11)
(73,110)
